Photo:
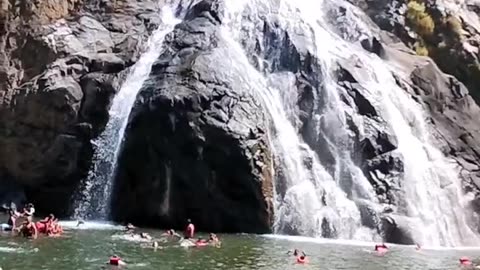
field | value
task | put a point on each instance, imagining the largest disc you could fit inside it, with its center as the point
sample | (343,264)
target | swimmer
(213,239)
(13,215)
(417,246)
(28,211)
(145,236)
(129,228)
(381,248)
(171,233)
(117,261)
(296,252)
(28,229)
(465,261)
(80,222)
(190,230)
(301,258)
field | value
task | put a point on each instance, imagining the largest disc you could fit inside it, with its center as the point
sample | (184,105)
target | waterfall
(309,198)
(96,192)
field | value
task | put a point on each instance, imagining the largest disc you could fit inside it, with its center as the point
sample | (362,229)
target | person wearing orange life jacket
(190,230)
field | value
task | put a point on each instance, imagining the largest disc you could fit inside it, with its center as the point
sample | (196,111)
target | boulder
(202,138)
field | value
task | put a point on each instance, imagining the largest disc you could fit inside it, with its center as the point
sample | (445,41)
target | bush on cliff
(420,20)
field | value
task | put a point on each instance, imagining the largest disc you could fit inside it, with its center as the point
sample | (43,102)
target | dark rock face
(196,146)
(57,80)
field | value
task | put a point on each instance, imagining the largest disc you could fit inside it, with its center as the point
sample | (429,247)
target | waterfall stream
(314,196)
(316,201)
(96,193)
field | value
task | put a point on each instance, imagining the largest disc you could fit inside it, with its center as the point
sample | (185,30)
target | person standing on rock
(190,230)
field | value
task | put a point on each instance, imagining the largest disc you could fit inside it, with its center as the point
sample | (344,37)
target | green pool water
(90,249)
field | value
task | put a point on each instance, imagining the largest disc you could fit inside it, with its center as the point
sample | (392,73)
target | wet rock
(397,230)
(374,46)
(61,62)
(202,137)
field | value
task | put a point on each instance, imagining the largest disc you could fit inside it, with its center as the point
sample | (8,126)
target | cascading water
(312,200)
(312,203)
(313,196)
(96,193)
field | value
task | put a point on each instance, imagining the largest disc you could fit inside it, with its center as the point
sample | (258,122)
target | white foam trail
(304,239)
(90,225)
(11,250)
(130,238)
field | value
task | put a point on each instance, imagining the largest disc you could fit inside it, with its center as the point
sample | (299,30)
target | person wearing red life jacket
(116,261)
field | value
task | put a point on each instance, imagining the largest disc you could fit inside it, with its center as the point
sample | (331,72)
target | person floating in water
(129,228)
(171,233)
(80,222)
(190,230)
(116,261)
(28,229)
(144,235)
(382,248)
(301,257)
(213,240)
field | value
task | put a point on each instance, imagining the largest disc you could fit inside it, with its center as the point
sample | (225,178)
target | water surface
(90,249)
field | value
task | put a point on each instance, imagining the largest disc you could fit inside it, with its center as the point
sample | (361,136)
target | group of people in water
(50,227)
(187,240)
(28,228)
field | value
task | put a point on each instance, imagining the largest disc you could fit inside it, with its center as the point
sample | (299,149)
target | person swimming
(171,233)
(29,211)
(296,252)
(80,222)
(190,230)
(213,240)
(381,248)
(129,228)
(116,261)
(465,261)
(301,257)
(144,235)
(28,229)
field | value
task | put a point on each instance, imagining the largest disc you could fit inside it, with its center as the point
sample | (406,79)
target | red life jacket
(114,260)
(301,259)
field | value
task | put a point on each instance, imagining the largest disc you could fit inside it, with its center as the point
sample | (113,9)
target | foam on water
(130,238)
(90,225)
(304,239)
(11,250)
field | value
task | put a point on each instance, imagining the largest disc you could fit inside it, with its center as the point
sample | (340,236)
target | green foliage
(421,21)
(421,49)
(455,25)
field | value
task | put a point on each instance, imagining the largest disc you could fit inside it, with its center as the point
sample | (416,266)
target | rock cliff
(199,140)
(197,146)
(60,64)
